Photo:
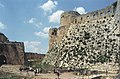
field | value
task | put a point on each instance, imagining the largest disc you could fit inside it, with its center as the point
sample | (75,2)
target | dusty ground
(15,69)
(62,76)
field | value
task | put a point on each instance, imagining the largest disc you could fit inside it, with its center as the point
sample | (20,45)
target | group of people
(27,69)
(36,71)
(57,71)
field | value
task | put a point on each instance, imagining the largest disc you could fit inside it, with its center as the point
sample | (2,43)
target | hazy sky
(28,21)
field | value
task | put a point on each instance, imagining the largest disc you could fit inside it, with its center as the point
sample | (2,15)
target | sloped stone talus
(91,39)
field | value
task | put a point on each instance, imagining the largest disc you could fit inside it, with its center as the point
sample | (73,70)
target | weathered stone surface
(88,40)
(11,52)
(118,76)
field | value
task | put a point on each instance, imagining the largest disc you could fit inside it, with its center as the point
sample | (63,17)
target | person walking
(57,71)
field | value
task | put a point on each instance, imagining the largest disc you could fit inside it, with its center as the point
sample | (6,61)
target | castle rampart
(73,17)
(106,12)
(34,56)
(87,40)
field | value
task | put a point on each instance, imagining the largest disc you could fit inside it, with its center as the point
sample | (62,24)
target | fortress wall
(117,22)
(106,12)
(18,51)
(32,56)
(73,17)
(90,39)
(11,52)
(16,43)
(14,52)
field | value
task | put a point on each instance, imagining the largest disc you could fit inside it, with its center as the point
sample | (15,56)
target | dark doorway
(3,60)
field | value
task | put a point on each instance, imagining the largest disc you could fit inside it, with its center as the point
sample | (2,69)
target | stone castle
(11,52)
(86,40)
(14,52)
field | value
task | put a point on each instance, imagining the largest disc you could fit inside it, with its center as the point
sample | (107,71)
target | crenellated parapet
(96,15)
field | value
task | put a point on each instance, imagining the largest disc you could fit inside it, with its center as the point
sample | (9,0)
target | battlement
(103,13)
(74,17)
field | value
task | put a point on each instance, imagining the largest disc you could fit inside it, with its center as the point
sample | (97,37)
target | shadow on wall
(3,60)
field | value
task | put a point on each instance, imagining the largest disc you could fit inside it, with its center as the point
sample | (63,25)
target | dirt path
(15,69)
(70,76)
(54,76)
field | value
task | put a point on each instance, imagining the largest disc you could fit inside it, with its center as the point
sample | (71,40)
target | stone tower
(56,34)
(52,37)
(68,17)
